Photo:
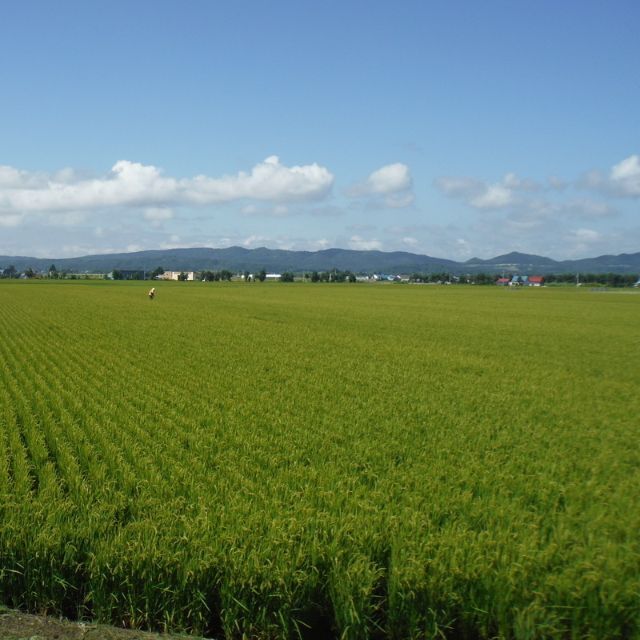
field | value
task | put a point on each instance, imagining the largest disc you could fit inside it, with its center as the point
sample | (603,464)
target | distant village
(335,275)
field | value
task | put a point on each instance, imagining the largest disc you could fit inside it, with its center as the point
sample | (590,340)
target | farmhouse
(503,282)
(175,275)
(536,281)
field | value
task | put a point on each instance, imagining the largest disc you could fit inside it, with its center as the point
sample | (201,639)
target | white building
(175,275)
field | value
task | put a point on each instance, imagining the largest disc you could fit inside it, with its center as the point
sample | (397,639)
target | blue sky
(455,129)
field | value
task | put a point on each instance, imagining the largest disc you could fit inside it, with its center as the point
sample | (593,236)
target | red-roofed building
(503,282)
(536,281)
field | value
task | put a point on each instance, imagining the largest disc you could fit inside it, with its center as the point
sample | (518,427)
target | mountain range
(277,260)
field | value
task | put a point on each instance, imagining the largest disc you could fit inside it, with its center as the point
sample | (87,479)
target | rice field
(348,461)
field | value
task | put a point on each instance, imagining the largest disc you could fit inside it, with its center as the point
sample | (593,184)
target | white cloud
(587,235)
(484,195)
(390,185)
(390,179)
(254,241)
(512,181)
(72,250)
(176,242)
(481,195)
(131,184)
(268,180)
(622,180)
(362,244)
(319,245)
(625,176)
(494,196)
(10,177)
(528,201)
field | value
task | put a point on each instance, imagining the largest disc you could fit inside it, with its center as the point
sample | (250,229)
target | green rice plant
(357,462)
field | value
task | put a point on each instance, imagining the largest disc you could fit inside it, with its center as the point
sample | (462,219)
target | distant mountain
(240,259)
(526,263)
(514,259)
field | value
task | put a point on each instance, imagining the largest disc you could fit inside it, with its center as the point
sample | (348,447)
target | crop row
(398,462)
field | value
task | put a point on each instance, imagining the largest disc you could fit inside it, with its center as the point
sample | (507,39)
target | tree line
(337,275)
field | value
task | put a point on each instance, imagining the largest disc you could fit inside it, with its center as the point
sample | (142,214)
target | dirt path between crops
(21,626)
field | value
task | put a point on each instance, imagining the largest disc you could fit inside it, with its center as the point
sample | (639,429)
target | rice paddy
(351,461)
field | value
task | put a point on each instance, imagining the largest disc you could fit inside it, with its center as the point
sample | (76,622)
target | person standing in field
(152,293)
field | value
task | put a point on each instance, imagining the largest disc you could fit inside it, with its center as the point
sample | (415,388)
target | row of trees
(331,276)
(52,273)
(337,275)
(12,272)
(606,279)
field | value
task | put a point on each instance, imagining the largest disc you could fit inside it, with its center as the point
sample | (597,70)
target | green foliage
(215,276)
(403,462)
(9,272)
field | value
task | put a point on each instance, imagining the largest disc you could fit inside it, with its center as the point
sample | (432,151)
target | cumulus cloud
(390,185)
(517,183)
(493,196)
(390,179)
(483,195)
(587,235)
(10,178)
(362,244)
(132,184)
(625,176)
(622,180)
(528,202)
(268,180)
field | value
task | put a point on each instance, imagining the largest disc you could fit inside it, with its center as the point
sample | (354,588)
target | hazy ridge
(240,259)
